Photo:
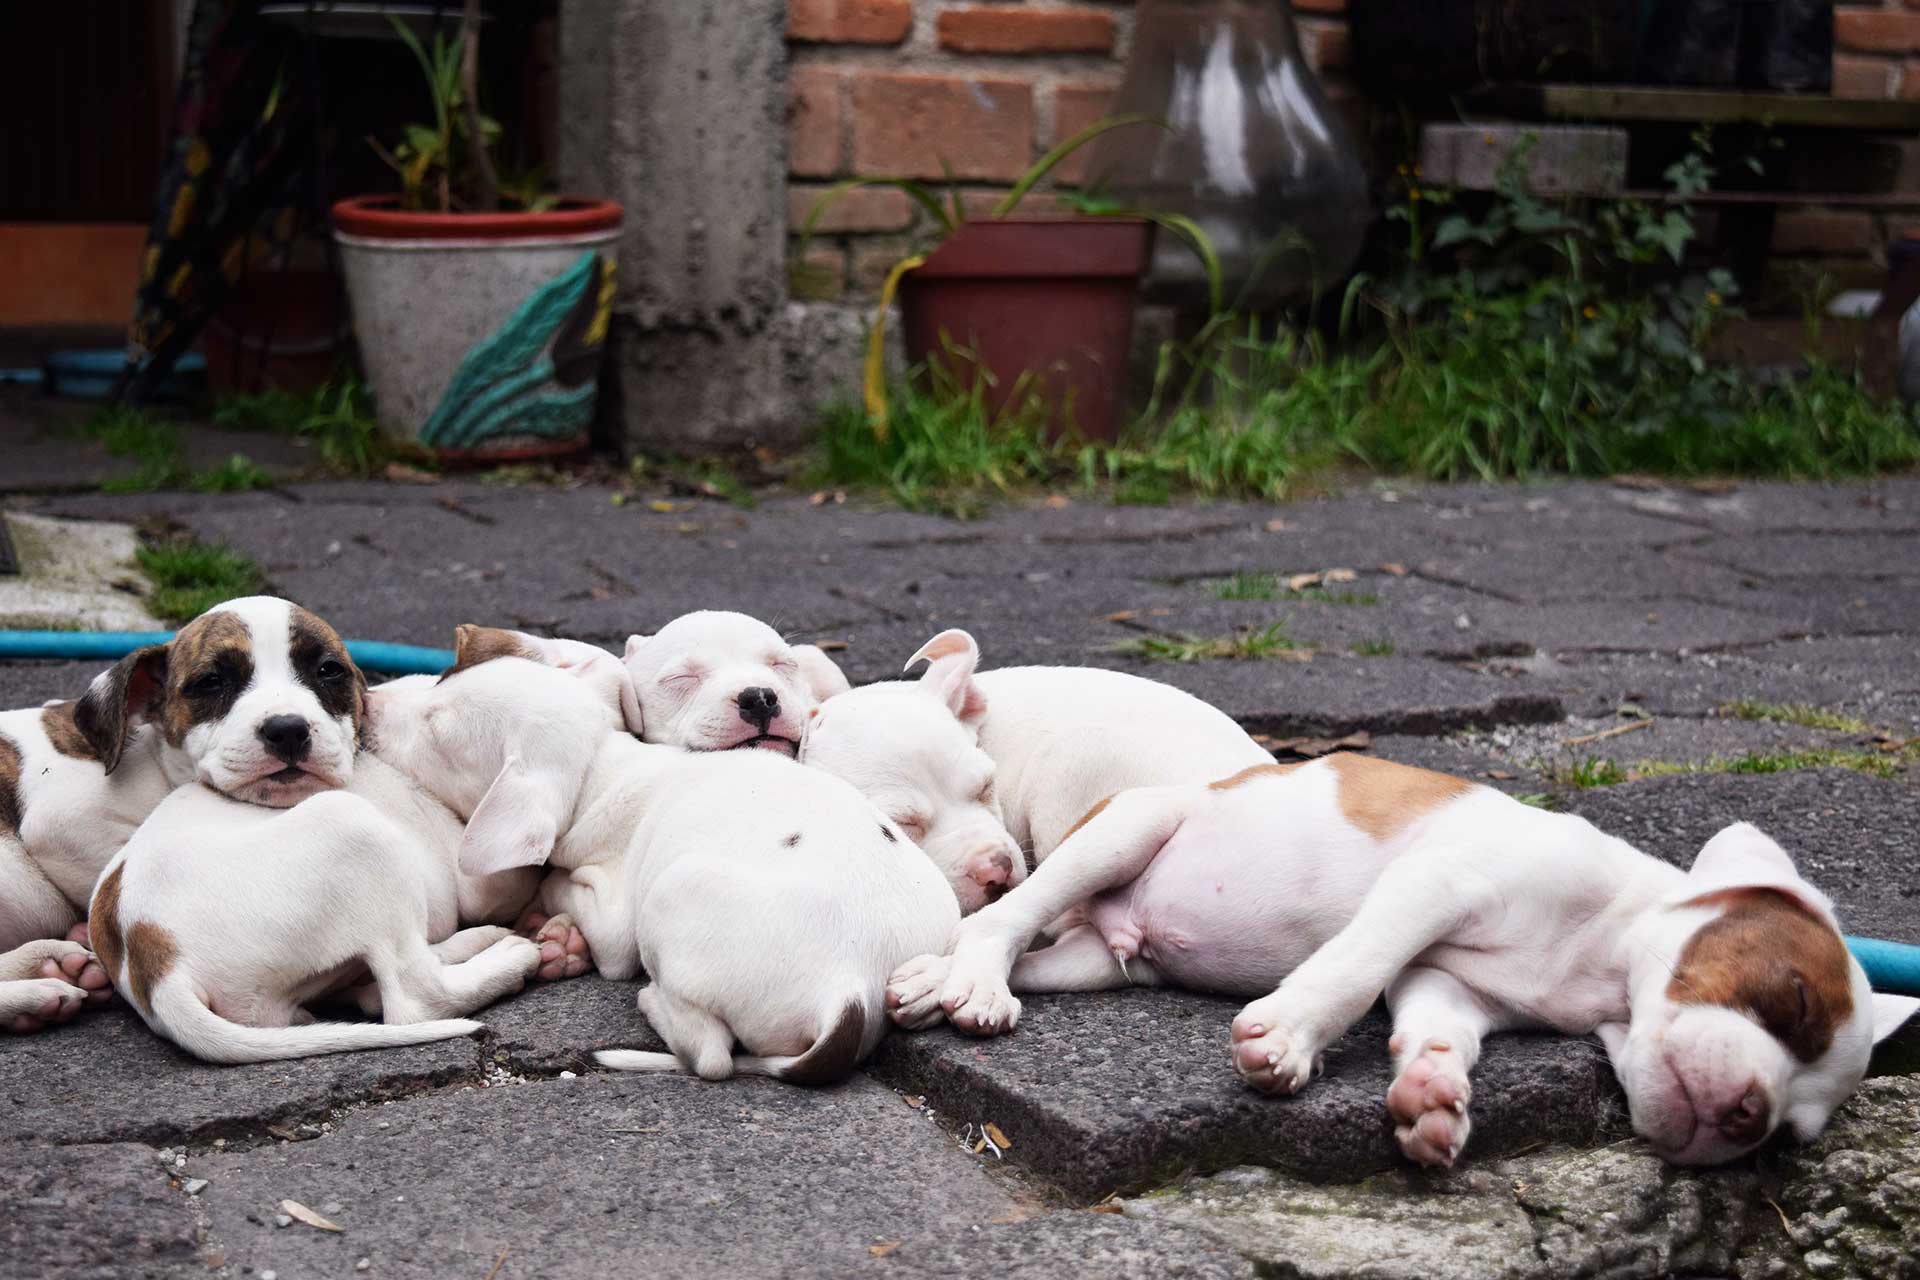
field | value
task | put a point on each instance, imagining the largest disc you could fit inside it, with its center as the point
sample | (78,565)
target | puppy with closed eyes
(713,681)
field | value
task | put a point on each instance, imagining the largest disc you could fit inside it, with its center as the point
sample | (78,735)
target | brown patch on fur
(103,923)
(151,951)
(1767,955)
(9,786)
(1383,798)
(133,685)
(474,644)
(1085,818)
(211,640)
(311,642)
(1252,774)
(58,723)
(834,1055)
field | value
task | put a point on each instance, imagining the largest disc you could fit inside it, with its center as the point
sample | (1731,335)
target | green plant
(159,454)
(191,577)
(1799,713)
(337,419)
(236,475)
(1380,647)
(1245,586)
(1590,771)
(1268,642)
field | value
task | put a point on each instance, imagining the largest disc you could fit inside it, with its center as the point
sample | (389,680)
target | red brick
(1328,45)
(872,262)
(905,125)
(849,21)
(861,209)
(1340,6)
(1075,107)
(1876,30)
(1855,77)
(999,30)
(1822,231)
(1910,83)
(821,276)
(813,122)
(981,204)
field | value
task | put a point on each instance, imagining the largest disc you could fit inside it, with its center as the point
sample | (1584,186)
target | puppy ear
(630,705)
(633,647)
(953,656)
(1890,1013)
(821,675)
(1744,857)
(474,644)
(119,698)
(515,823)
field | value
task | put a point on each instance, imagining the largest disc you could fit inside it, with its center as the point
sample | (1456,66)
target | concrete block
(1586,160)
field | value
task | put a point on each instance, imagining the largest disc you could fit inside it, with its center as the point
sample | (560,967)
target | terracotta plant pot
(1037,303)
(281,329)
(482,334)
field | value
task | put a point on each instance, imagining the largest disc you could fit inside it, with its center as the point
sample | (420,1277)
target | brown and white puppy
(256,697)
(712,681)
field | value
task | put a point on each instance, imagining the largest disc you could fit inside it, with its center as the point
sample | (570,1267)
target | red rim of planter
(382,216)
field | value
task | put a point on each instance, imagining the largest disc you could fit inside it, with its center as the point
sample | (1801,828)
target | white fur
(684,863)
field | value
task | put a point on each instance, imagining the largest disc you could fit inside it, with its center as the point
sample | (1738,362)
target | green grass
(1346,599)
(1538,799)
(1245,586)
(191,577)
(1804,714)
(337,420)
(1590,771)
(159,454)
(1269,642)
(1380,647)
(1881,764)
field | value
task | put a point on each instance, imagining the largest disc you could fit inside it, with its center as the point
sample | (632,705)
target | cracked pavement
(1493,632)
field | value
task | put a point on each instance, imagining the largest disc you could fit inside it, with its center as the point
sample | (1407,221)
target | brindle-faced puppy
(258,696)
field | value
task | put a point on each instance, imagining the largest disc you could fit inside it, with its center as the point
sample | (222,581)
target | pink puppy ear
(953,656)
(1744,857)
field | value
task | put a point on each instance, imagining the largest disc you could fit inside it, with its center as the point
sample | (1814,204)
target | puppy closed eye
(913,824)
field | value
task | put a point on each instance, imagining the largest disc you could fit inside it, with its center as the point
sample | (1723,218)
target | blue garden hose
(1892,967)
(106,646)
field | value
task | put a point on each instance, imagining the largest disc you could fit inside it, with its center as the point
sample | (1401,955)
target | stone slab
(95,1213)
(1122,1091)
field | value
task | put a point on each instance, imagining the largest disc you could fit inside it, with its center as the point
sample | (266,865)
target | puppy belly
(1211,914)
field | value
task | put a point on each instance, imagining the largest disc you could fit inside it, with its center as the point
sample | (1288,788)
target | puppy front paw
(79,968)
(913,992)
(978,1000)
(34,1003)
(1428,1102)
(1271,1050)
(562,949)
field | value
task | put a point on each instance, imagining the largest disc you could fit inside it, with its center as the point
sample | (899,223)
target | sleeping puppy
(978,766)
(255,698)
(221,920)
(767,902)
(713,681)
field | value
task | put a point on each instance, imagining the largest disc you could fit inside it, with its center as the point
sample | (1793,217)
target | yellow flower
(1467,315)
(1413,194)
(1589,313)
(1713,298)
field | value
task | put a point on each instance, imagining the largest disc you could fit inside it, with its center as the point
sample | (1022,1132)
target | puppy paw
(977,999)
(80,934)
(1428,1102)
(1272,1050)
(913,992)
(527,955)
(76,966)
(562,949)
(35,1003)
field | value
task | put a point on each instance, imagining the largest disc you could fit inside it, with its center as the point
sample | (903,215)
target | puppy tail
(828,1060)
(182,1017)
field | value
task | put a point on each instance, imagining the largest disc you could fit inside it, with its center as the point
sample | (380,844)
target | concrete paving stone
(1870,555)
(662,1175)
(1880,503)
(96,1080)
(1850,833)
(552,1027)
(1660,740)
(28,684)
(48,451)
(106,1212)
(1124,1090)
(1695,684)
(1463,755)
(1075,1243)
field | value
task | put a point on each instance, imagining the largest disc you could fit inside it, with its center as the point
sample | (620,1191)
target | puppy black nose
(288,737)
(758,707)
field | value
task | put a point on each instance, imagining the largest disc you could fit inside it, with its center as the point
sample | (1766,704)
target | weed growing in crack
(1804,714)
(1379,647)
(1269,642)
(1246,586)
(191,577)
(1589,771)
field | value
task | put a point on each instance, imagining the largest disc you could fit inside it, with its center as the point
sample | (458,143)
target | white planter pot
(482,334)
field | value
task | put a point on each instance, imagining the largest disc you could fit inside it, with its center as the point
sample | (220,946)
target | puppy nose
(991,870)
(758,707)
(1745,1119)
(287,737)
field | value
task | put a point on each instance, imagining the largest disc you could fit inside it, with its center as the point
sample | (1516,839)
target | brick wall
(894,86)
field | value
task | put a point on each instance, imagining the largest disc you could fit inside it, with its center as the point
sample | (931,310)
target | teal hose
(106,646)
(1892,967)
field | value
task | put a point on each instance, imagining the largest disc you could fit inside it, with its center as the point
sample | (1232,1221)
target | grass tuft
(1379,647)
(1269,642)
(191,577)
(1245,586)
(337,420)
(1590,771)
(1804,714)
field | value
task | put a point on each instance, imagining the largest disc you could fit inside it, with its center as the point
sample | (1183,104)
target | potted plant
(1020,306)
(481,306)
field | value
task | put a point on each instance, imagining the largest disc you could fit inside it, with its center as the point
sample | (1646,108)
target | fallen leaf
(663,506)
(401,473)
(1121,616)
(1278,526)
(1339,575)
(884,1248)
(1058,501)
(300,1213)
(1301,581)
(1314,748)
(1501,775)
(979,1146)
(1395,568)
(282,1132)
(1106,1207)
(1000,1139)
(1644,484)
(914,1100)
(1711,487)
(817,497)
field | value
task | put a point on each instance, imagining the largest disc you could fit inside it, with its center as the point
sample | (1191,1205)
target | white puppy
(767,902)
(1724,995)
(221,920)
(978,766)
(712,681)
(256,698)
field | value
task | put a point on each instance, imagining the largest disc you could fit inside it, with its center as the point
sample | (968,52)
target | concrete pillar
(677,109)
